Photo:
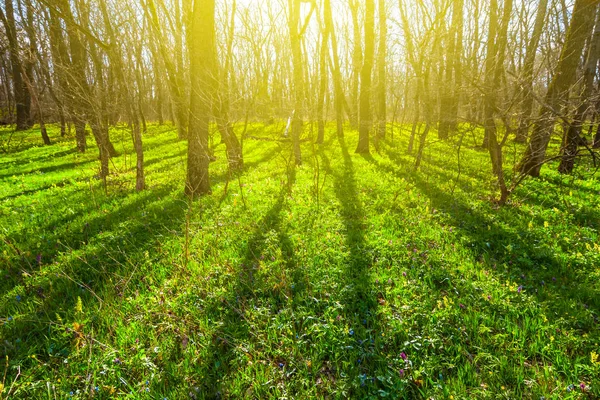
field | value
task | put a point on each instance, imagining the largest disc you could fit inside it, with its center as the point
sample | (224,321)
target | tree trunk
(21,94)
(322,85)
(357,60)
(202,71)
(528,65)
(366,120)
(449,99)
(339,98)
(297,124)
(232,144)
(494,67)
(572,136)
(381,77)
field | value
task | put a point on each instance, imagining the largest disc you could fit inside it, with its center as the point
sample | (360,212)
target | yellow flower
(79,306)
(546,224)
(594,357)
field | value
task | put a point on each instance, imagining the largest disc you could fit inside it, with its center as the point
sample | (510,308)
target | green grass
(351,276)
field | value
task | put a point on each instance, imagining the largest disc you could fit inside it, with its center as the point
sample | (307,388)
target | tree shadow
(251,290)
(359,296)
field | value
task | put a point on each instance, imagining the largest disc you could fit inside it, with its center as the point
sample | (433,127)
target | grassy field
(350,276)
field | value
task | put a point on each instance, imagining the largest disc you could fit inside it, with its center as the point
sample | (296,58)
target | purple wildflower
(404,356)
(520,289)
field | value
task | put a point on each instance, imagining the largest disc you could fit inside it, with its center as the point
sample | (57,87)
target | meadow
(351,276)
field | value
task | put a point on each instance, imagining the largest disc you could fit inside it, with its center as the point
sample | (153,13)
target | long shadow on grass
(250,290)
(525,256)
(95,269)
(358,294)
(519,250)
(53,168)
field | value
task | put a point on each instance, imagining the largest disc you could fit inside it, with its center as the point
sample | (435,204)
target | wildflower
(38,259)
(117,360)
(18,298)
(520,289)
(582,386)
(489,297)
(570,388)
(594,357)
(401,372)
(461,305)
(351,332)
(281,365)
(403,356)
(404,273)
(96,388)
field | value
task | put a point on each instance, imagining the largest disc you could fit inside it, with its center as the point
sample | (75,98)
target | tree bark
(365,116)
(381,73)
(202,71)
(21,94)
(297,124)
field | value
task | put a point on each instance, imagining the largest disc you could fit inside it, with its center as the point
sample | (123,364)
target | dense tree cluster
(522,70)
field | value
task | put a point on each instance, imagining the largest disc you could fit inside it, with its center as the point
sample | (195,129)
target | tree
(202,74)
(579,30)
(338,91)
(494,67)
(572,136)
(298,79)
(365,115)
(381,76)
(528,66)
(449,98)
(21,92)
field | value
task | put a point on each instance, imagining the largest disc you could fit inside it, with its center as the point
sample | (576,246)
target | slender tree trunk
(449,99)
(323,81)
(202,72)
(357,61)
(339,99)
(366,120)
(297,124)
(494,67)
(381,75)
(232,144)
(528,66)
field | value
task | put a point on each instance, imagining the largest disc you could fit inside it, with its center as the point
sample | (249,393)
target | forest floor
(350,276)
